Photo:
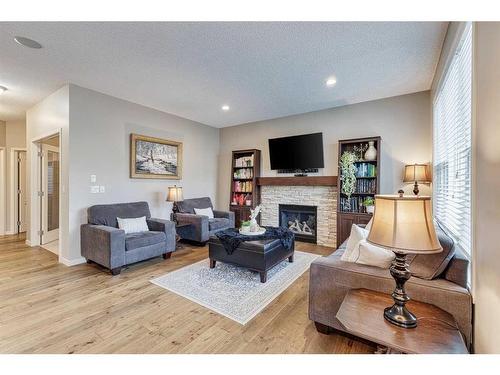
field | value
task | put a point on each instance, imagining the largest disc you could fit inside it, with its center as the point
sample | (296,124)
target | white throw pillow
(372,255)
(133,225)
(357,234)
(205,212)
(369,225)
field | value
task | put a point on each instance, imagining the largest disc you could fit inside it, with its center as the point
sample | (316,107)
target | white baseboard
(72,262)
(10,233)
(28,242)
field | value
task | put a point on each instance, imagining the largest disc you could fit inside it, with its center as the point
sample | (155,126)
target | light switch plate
(93,178)
(94,189)
(102,189)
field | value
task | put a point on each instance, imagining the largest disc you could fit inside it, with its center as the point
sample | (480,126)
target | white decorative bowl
(248,233)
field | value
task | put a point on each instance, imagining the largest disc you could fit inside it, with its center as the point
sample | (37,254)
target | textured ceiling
(262,70)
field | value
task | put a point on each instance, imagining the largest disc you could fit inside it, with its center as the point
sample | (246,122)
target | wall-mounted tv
(300,152)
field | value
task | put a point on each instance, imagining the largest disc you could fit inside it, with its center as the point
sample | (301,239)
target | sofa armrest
(226,215)
(198,231)
(166,226)
(458,269)
(103,245)
(331,279)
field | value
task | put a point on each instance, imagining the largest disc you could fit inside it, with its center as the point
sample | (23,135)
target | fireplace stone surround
(324,197)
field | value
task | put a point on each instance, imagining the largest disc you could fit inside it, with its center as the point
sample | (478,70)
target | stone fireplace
(290,191)
(301,220)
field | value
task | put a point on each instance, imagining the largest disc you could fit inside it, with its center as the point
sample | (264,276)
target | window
(452,145)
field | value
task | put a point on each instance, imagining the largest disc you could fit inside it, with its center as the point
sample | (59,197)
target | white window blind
(452,145)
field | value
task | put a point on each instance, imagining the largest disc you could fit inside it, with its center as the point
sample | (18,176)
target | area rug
(234,292)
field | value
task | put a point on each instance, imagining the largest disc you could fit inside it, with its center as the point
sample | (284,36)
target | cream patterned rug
(234,292)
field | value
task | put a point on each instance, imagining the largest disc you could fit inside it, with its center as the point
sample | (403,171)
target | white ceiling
(262,70)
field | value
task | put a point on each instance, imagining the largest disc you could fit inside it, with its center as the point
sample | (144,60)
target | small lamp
(174,195)
(417,173)
(403,225)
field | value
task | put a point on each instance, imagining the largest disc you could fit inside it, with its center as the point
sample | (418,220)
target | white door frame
(3,176)
(35,207)
(48,236)
(12,188)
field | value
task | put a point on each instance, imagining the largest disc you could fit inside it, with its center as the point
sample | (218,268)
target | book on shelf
(242,186)
(244,173)
(353,204)
(244,161)
(366,186)
(366,170)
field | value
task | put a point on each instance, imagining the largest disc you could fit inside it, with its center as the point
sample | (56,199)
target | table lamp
(174,195)
(403,224)
(417,173)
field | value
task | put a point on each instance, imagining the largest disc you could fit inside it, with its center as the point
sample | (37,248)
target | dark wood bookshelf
(251,192)
(357,214)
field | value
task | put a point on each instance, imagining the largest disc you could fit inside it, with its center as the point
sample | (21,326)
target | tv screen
(297,152)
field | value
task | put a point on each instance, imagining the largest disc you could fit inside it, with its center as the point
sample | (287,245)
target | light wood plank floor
(46,307)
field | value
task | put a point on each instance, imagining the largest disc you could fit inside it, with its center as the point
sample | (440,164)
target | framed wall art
(155,158)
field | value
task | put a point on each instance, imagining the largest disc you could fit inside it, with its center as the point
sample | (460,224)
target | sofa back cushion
(187,206)
(106,214)
(431,266)
(458,269)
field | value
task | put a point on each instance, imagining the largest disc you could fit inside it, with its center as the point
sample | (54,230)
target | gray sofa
(103,243)
(201,227)
(331,279)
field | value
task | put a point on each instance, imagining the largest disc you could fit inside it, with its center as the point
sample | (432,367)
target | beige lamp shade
(417,172)
(404,224)
(174,194)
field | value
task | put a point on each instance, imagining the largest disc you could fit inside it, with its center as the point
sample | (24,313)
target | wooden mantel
(298,181)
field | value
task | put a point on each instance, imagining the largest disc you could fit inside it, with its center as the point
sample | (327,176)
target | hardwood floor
(46,307)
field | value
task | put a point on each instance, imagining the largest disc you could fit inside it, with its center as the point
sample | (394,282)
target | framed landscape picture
(155,158)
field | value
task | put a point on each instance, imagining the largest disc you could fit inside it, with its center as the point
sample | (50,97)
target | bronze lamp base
(398,314)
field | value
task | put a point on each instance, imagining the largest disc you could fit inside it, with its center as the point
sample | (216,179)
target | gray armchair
(201,227)
(103,243)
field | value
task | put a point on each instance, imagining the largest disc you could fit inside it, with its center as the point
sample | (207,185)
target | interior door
(22,202)
(50,164)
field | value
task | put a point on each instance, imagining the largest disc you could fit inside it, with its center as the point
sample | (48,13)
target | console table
(362,314)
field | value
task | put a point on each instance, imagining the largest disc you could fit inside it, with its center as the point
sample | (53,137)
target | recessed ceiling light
(26,42)
(2,89)
(331,81)
(225,108)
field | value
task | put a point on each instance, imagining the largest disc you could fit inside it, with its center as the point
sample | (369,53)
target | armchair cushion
(218,223)
(187,206)
(165,226)
(106,214)
(226,215)
(142,239)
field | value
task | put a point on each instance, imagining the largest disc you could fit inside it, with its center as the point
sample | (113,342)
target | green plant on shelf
(369,201)
(348,174)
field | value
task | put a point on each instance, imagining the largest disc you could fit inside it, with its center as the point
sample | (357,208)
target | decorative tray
(260,232)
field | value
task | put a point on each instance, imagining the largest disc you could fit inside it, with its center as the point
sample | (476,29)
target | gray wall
(100,127)
(486,216)
(49,116)
(3,133)
(15,138)
(403,122)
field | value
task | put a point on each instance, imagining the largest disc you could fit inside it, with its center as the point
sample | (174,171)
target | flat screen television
(297,153)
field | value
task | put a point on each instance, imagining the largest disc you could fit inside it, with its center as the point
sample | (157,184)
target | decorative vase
(371,153)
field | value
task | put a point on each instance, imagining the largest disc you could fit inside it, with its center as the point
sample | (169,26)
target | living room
(186,187)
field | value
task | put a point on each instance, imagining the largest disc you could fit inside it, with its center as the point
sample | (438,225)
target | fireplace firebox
(302,220)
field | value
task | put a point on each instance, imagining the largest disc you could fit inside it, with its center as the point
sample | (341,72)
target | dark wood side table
(362,314)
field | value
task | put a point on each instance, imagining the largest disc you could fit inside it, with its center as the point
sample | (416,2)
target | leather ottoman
(258,256)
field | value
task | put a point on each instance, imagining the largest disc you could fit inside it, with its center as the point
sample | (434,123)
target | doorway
(20,189)
(48,193)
